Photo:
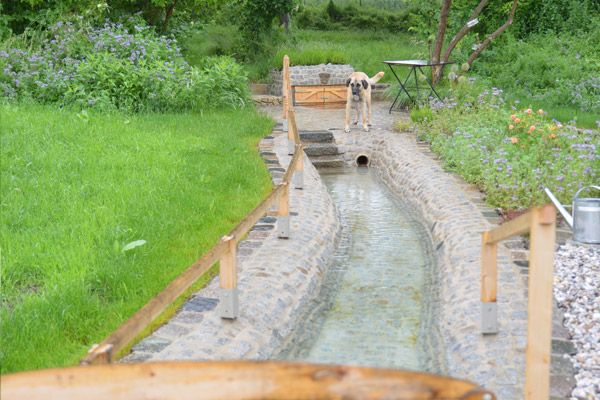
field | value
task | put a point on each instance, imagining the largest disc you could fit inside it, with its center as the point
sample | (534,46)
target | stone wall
(305,75)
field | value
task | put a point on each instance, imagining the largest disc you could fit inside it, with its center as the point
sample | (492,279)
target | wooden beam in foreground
(539,305)
(233,381)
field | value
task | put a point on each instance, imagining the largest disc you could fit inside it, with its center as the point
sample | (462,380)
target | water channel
(371,308)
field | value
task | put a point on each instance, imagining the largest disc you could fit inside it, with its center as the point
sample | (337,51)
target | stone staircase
(321,149)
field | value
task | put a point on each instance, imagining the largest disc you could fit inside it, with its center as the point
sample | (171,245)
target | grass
(76,188)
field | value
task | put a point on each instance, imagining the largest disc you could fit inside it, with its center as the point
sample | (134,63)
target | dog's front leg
(348,107)
(364,115)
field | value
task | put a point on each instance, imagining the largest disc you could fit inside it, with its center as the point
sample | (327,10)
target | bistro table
(414,65)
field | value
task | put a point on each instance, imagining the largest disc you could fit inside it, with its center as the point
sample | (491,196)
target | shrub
(114,67)
(511,153)
(320,53)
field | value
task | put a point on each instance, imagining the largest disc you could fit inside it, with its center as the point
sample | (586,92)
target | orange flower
(513,116)
(517,120)
(553,136)
(522,146)
(552,128)
(529,132)
(559,126)
(514,140)
(511,127)
(539,130)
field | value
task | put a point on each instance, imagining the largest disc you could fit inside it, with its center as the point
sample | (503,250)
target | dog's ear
(365,84)
(348,82)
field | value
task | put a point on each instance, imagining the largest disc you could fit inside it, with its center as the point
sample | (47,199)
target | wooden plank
(290,169)
(293,129)
(539,306)
(514,227)
(489,267)
(141,319)
(228,264)
(236,380)
(247,223)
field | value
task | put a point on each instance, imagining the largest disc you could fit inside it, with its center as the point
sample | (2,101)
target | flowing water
(371,306)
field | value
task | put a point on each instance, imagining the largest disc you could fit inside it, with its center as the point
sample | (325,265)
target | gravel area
(577,291)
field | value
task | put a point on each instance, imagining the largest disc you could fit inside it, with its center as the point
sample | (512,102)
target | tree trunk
(493,35)
(285,21)
(439,38)
(168,15)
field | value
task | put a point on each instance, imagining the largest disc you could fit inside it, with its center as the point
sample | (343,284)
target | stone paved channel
(279,279)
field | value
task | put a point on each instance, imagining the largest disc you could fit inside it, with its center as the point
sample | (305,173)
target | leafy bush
(349,16)
(557,70)
(511,153)
(116,67)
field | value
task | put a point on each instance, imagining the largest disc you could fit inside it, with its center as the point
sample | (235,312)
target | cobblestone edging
(277,278)
(494,361)
(322,74)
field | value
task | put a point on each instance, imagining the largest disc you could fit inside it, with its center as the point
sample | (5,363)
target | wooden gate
(320,96)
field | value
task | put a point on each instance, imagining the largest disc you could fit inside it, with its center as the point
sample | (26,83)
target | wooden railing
(541,223)
(225,251)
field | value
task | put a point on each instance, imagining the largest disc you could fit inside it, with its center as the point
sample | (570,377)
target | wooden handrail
(234,380)
(541,223)
(105,351)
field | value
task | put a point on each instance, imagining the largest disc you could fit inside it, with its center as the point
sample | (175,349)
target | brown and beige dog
(359,95)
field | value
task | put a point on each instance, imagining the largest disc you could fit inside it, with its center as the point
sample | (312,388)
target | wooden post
(292,132)
(228,293)
(283,213)
(299,168)
(539,306)
(284,88)
(489,267)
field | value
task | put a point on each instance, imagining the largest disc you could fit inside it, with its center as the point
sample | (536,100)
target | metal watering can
(585,222)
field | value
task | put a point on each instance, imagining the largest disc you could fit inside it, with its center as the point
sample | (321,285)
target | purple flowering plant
(120,65)
(511,154)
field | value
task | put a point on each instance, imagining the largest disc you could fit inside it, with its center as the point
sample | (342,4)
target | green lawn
(77,188)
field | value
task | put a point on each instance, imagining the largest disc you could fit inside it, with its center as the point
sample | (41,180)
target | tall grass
(76,188)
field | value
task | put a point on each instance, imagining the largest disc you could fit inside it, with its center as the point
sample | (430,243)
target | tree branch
(463,31)
(493,35)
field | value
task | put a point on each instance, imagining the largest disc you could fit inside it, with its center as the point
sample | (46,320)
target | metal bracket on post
(489,317)
(228,303)
(285,125)
(291,146)
(228,292)
(283,213)
(299,170)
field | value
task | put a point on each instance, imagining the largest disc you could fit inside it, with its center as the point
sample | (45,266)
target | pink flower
(529,111)
(511,127)
(532,128)
(513,116)
(559,126)
(541,111)
(514,140)
(517,120)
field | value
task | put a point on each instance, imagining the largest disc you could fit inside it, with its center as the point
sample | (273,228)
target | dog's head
(357,86)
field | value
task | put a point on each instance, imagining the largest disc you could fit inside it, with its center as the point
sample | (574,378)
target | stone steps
(321,149)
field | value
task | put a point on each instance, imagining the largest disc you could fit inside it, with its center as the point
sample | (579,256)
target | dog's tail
(376,77)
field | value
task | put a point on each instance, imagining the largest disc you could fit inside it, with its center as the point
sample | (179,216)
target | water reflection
(371,314)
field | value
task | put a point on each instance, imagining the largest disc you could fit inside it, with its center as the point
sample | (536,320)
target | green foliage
(511,153)
(318,53)
(256,20)
(80,189)
(117,67)
(555,70)
(349,16)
